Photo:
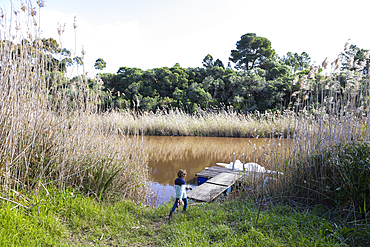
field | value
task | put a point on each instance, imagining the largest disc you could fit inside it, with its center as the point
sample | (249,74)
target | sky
(156,33)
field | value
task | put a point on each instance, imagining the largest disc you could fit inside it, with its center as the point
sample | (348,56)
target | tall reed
(217,122)
(50,132)
(331,112)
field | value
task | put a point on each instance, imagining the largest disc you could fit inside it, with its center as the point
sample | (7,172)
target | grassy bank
(68,218)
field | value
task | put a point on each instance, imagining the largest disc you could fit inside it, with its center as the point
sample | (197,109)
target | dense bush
(341,176)
(190,88)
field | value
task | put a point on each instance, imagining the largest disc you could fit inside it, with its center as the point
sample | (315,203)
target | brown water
(169,154)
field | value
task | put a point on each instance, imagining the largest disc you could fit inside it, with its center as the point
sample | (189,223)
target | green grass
(69,218)
(233,224)
(19,229)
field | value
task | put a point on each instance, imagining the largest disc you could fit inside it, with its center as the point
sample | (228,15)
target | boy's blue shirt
(180,188)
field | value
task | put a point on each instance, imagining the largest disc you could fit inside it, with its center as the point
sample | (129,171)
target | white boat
(251,167)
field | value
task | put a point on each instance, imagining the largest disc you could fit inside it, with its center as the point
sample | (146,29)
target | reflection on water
(169,154)
(163,193)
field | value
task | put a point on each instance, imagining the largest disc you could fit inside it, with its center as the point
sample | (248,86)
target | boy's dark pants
(185,200)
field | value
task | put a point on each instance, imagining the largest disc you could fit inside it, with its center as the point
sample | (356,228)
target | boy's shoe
(170,215)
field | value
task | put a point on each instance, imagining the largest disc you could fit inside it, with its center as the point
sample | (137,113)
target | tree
(207,61)
(251,51)
(354,58)
(56,58)
(197,95)
(274,69)
(211,85)
(218,63)
(100,64)
(296,61)
(247,92)
(50,45)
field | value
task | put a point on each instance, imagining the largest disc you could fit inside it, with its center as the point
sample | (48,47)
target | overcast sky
(156,33)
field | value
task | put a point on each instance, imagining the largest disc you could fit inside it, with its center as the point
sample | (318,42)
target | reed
(216,123)
(50,131)
(331,130)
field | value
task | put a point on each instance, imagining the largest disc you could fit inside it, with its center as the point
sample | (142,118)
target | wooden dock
(220,179)
(216,170)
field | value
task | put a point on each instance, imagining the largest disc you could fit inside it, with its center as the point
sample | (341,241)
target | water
(168,154)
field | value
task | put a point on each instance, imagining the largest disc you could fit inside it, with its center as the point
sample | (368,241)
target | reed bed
(49,133)
(217,123)
(331,135)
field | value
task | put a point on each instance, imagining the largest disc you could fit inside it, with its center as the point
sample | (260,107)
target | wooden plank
(213,187)
(206,192)
(219,179)
(207,174)
(216,170)
(223,169)
(224,179)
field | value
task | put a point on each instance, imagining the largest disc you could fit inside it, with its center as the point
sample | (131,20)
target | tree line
(260,80)
(255,78)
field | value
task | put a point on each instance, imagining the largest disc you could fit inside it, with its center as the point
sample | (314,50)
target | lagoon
(168,154)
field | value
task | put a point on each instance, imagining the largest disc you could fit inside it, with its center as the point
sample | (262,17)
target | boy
(180,191)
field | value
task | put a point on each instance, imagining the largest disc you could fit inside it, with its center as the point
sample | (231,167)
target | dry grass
(50,135)
(329,113)
(219,122)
